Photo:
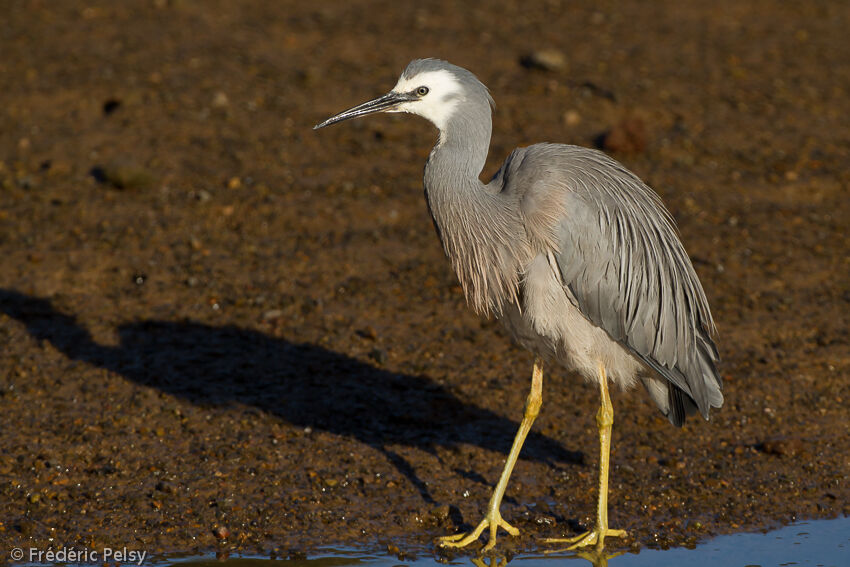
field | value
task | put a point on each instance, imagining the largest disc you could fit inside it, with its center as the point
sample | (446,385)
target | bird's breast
(548,321)
(484,241)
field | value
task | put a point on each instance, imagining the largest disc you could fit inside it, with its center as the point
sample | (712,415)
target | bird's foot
(493,520)
(595,537)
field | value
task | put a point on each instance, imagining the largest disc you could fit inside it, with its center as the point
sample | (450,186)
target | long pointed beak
(381,104)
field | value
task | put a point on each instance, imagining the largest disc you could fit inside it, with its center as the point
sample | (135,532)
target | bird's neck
(474,221)
(459,156)
(464,142)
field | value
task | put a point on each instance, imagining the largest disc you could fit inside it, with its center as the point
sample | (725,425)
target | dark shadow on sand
(303,384)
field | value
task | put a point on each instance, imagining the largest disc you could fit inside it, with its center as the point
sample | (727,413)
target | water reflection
(595,558)
(820,543)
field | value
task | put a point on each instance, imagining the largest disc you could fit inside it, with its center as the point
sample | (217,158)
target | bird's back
(620,261)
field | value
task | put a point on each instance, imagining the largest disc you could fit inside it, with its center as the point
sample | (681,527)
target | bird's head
(430,88)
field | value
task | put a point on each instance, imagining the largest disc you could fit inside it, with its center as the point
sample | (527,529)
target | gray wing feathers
(620,256)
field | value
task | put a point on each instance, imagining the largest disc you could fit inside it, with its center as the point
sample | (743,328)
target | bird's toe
(595,537)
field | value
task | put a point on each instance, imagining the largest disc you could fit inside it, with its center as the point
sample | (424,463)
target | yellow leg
(604,420)
(493,519)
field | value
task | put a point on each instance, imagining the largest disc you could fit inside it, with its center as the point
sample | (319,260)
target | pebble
(166,487)
(220,100)
(628,136)
(110,106)
(272,314)
(572,118)
(378,355)
(123,175)
(220,532)
(782,447)
(25,527)
(439,513)
(367,332)
(544,60)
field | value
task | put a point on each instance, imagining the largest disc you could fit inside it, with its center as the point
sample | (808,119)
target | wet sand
(222,329)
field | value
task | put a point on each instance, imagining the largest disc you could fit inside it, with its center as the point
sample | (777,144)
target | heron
(574,254)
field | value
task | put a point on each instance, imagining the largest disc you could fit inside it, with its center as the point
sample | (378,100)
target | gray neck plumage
(473,220)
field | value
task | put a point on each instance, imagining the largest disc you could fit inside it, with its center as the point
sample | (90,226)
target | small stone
(60,168)
(367,333)
(25,527)
(220,100)
(439,514)
(123,175)
(26,182)
(544,60)
(110,106)
(166,487)
(234,183)
(782,447)
(572,118)
(378,355)
(272,314)
(627,136)
(221,532)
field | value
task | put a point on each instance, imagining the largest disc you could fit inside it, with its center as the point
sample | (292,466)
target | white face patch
(444,94)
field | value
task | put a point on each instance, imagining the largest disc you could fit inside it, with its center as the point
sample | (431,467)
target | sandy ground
(223,329)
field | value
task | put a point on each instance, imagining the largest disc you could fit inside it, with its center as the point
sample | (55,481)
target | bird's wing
(621,258)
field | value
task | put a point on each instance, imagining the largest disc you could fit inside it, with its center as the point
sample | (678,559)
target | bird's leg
(604,420)
(493,519)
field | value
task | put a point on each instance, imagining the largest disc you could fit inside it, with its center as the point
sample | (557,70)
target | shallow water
(821,543)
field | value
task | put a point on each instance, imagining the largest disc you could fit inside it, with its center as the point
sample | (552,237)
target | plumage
(621,263)
(618,255)
(572,252)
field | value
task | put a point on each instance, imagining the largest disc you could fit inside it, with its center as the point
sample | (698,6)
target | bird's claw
(595,537)
(493,520)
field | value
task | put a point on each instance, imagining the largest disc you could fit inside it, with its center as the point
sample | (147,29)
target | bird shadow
(303,384)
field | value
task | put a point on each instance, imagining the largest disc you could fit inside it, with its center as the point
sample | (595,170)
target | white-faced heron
(573,253)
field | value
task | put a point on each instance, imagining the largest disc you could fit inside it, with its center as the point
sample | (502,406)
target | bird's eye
(422,91)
